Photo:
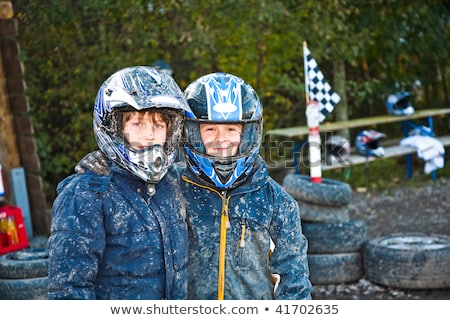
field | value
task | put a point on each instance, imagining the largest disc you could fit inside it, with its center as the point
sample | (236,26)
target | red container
(13,235)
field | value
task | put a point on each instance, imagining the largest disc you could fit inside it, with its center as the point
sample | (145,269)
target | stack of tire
(24,273)
(334,241)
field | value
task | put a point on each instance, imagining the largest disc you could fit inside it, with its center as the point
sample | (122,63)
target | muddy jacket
(111,240)
(258,209)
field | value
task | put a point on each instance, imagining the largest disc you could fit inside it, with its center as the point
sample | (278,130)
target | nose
(221,134)
(149,133)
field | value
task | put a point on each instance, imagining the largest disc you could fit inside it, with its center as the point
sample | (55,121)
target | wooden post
(6,10)
(17,145)
(9,154)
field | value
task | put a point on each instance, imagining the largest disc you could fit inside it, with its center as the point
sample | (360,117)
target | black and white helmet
(337,150)
(135,89)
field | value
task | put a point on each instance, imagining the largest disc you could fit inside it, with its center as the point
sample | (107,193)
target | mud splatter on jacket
(111,240)
(258,209)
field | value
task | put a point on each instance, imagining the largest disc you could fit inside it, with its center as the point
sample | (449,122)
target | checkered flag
(318,89)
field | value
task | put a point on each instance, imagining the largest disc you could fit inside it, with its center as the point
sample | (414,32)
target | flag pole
(313,120)
(305,67)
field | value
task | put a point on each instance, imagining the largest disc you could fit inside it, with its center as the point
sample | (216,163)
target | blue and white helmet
(135,89)
(399,104)
(222,98)
(367,143)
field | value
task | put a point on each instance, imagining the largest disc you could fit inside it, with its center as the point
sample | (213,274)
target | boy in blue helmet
(124,236)
(235,209)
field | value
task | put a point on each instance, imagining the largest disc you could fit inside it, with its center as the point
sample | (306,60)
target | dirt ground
(425,209)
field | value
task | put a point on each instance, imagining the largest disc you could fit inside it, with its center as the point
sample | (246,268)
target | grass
(385,174)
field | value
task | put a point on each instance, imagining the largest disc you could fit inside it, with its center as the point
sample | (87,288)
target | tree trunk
(341,111)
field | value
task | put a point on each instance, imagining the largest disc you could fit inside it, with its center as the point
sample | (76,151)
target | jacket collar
(257,178)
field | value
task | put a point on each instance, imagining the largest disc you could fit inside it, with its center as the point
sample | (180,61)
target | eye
(208,128)
(137,124)
(160,125)
(234,130)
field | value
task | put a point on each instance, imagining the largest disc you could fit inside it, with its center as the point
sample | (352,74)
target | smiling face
(221,140)
(144,129)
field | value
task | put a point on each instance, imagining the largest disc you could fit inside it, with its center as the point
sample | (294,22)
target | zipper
(224,226)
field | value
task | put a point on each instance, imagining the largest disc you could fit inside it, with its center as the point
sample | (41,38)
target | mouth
(220,151)
(141,147)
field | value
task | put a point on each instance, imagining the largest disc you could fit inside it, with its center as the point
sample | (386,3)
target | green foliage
(70,47)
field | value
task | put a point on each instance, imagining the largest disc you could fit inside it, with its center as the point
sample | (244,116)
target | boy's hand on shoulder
(94,161)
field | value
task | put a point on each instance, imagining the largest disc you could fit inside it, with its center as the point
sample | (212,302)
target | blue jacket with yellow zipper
(258,210)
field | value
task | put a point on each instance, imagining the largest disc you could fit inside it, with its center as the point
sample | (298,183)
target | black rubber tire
(313,212)
(335,237)
(26,263)
(328,192)
(24,289)
(408,261)
(335,268)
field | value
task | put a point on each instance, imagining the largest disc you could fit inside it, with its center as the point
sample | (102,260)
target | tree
(366,49)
